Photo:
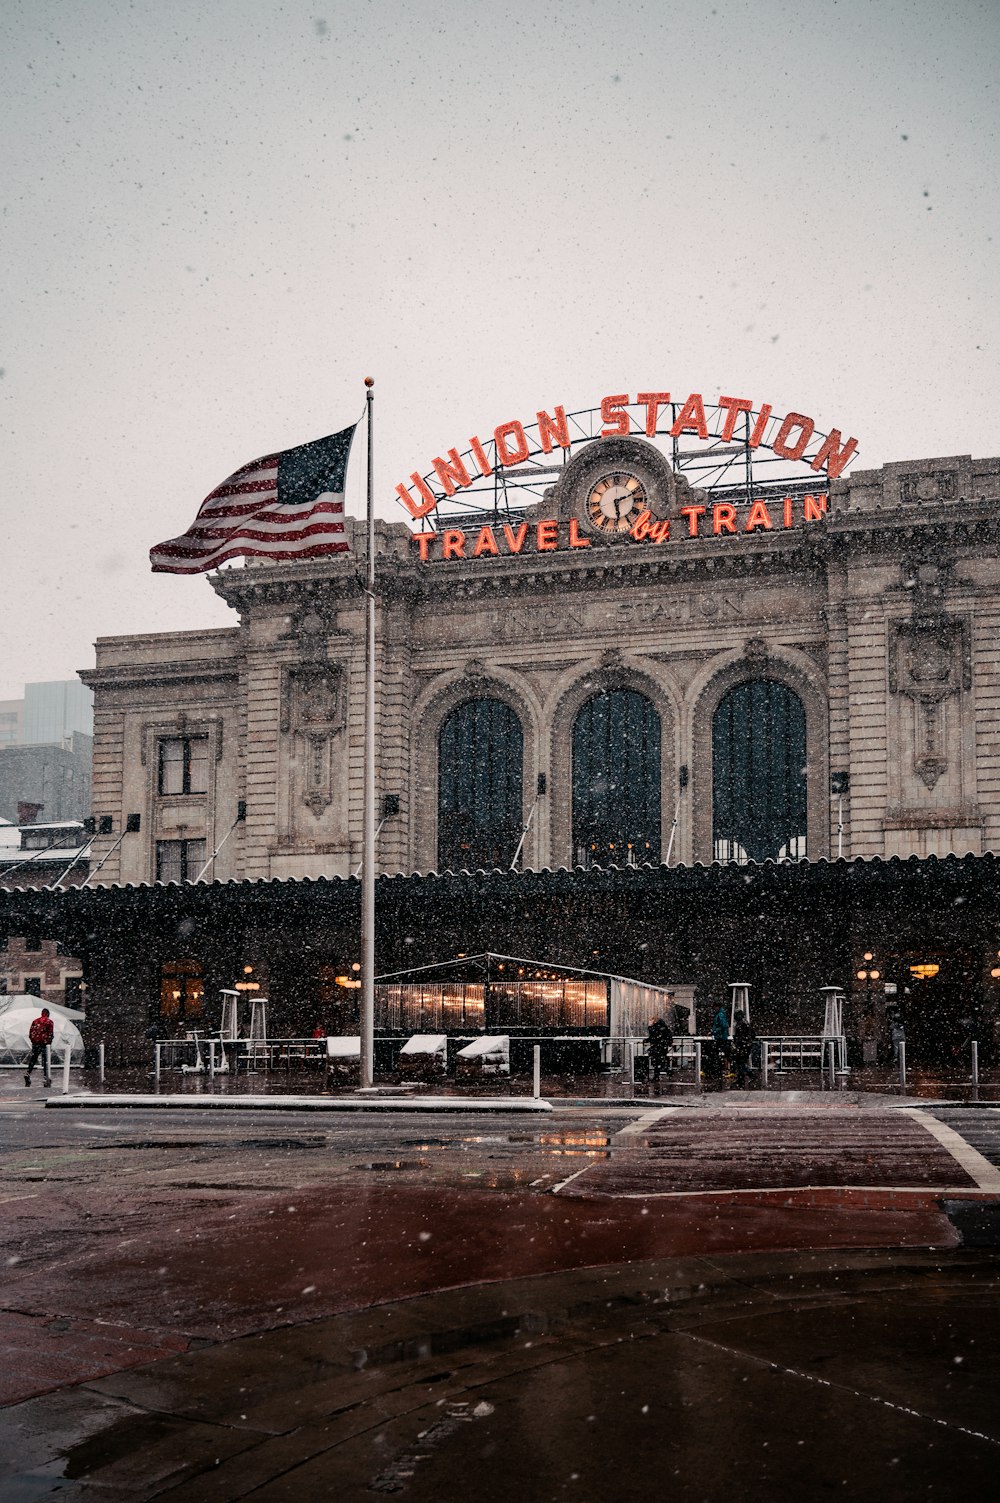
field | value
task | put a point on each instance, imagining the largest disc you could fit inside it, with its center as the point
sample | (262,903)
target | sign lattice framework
(731,453)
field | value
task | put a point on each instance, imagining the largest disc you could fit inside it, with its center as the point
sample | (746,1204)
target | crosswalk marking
(985,1174)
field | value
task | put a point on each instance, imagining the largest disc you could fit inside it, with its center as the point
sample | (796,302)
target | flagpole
(368,851)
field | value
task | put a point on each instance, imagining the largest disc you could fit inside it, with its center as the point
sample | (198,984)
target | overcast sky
(220,215)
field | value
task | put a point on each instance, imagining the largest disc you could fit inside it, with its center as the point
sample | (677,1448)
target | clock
(615,501)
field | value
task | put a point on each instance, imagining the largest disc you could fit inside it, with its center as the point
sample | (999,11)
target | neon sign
(733,425)
(550,535)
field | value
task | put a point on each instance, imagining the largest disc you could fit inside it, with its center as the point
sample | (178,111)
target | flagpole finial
(369,380)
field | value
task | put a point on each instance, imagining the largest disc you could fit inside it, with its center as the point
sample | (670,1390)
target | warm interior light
(868,955)
(924,972)
(995,971)
(875,975)
(862,975)
(248,970)
(355,965)
(346,981)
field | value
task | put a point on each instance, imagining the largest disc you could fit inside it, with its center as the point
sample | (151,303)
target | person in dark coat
(743,1042)
(720,1032)
(659,1043)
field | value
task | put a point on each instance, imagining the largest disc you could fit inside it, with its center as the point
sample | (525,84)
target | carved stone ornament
(756,655)
(930,658)
(312,624)
(930,661)
(314,712)
(313,698)
(938,485)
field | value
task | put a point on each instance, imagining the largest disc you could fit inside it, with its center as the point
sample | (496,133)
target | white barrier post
(100,1061)
(902,1065)
(537,1071)
(975,1063)
(66,1071)
(156,1066)
(763,1064)
(628,1064)
(48,1064)
(211,1059)
(697,1064)
(833,1064)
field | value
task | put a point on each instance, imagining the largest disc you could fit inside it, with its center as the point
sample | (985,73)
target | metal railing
(199,1055)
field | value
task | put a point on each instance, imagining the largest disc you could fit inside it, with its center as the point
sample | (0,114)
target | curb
(304,1103)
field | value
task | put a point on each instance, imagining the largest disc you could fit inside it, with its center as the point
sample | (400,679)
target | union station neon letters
(512,446)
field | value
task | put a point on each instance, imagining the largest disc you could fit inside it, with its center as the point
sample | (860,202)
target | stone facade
(881,616)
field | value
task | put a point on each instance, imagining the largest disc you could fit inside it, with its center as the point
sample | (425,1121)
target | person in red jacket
(40,1035)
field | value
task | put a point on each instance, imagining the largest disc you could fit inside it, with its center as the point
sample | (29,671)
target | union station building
(684,734)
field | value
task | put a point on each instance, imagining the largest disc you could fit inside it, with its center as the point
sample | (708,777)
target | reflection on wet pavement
(872,1376)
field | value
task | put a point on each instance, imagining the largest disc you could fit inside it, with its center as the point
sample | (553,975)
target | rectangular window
(32,986)
(179,860)
(183,764)
(72,994)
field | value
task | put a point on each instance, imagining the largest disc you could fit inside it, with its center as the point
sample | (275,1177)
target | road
(145,1249)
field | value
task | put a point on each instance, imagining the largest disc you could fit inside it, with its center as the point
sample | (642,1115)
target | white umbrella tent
(18,1012)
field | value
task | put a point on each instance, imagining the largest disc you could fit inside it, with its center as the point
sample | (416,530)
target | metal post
(156,1066)
(368,830)
(100,1061)
(902,1064)
(670,842)
(697,1064)
(763,1064)
(536,1072)
(628,1063)
(48,1064)
(833,1064)
(66,1071)
(211,1059)
(975,1063)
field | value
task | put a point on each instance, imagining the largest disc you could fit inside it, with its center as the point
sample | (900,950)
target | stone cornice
(807,546)
(152,674)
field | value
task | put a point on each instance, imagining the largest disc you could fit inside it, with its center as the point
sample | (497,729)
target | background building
(46,748)
(35,856)
(54,712)
(794,688)
(11,722)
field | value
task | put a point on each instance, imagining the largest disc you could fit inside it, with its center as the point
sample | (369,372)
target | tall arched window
(616,780)
(759,774)
(480,772)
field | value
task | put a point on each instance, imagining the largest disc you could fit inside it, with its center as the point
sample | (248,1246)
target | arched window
(759,774)
(616,780)
(480,772)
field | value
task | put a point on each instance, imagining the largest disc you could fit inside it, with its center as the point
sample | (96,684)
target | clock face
(615,502)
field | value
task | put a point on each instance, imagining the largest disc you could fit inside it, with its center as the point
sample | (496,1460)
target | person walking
(40,1036)
(720,1032)
(743,1042)
(659,1043)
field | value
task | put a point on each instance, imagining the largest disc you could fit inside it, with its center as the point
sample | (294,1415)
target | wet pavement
(743,1378)
(254,1303)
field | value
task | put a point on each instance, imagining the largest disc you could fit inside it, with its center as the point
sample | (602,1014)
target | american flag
(284,506)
